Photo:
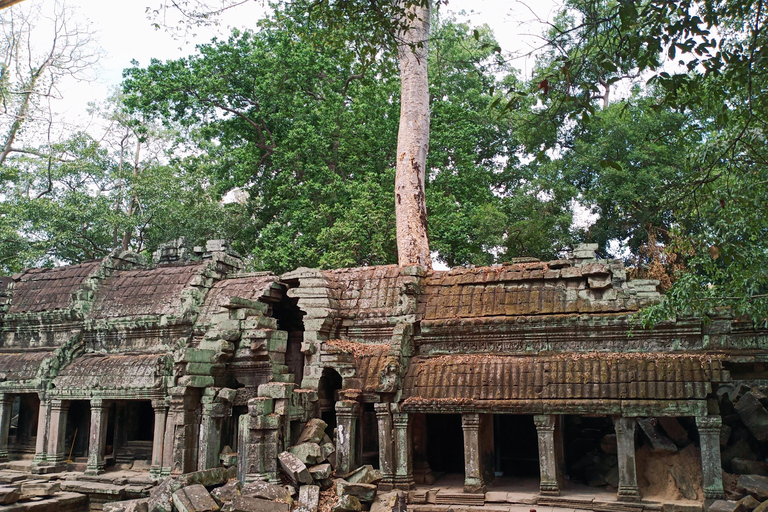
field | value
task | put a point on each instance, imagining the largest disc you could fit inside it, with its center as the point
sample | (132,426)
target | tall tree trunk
(413,139)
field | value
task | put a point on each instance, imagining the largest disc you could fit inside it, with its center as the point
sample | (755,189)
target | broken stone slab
(329,453)
(247,504)
(684,483)
(753,415)
(657,441)
(266,491)
(763,507)
(161,497)
(39,488)
(139,505)
(749,467)
(320,472)
(364,492)
(675,431)
(313,432)
(308,453)
(309,497)
(9,495)
(206,477)
(347,503)
(9,477)
(227,492)
(364,475)
(749,503)
(194,498)
(754,485)
(294,468)
(725,506)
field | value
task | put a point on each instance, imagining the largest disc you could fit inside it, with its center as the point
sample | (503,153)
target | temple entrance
(516,446)
(330,383)
(590,451)
(369,429)
(78,429)
(23,428)
(444,444)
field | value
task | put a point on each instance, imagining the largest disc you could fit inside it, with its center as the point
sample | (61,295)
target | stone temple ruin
(528,369)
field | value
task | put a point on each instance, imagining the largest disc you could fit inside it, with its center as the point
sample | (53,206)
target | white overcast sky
(125,34)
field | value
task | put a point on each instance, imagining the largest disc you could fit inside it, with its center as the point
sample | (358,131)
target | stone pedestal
(548,454)
(41,442)
(625,445)
(158,438)
(473,472)
(97,439)
(58,429)
(347,419)
(6,410)
(711,464)
(386,445)
(403,451)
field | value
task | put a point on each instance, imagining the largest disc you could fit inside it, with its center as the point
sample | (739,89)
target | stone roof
(365,291)
(121,371)
(476,378)
(156,291)
(251,287)
(20,366)
(48,289)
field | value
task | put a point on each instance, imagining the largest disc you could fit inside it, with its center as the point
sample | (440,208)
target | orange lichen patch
(488,377)
(48,289)
(358,349)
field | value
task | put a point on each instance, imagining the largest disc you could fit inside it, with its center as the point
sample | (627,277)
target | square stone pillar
(181,432)
(213,414)
(549,469)
(158,438)
(347,419)
(6,410)
(386,445)
(401,422)
(97,439)
(258,440)
(473,472)
(57,433)
(711,464)
(41,441)
(625,446)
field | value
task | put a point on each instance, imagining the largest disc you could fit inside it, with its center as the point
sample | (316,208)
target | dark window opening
(369,429)
(330,384)
(140,421)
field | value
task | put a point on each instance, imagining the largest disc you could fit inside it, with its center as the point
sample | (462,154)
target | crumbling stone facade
(185,361)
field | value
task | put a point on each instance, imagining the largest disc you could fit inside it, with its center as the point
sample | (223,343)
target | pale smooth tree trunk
(413,139)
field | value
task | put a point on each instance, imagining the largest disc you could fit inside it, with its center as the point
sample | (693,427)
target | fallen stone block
(266,491)
(763,507)
(194,498)
(227,492)
(748,503)
(347,503)
(309,497)
(308,453)
(140,505)
(754,485)
(657,441)
(320,472)
(725,506)
(364,492)
(39,488)
(206,477)
(161,497)
(313,432)
(674,431)
(329,453)
(364,475)
(247,504)
(753,415)
(749,467)
(294,468)
(9,495)
(683,481)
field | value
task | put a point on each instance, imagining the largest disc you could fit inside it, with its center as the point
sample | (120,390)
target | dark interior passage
(369,430)
(516,445)
(445,443)
(590,450)
(330,383)
(78,428)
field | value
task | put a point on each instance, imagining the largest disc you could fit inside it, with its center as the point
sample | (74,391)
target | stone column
(259,436)
(347,417)
(625,446)
(473,473)
(711,465)
(214,412)
(158,438)
(58,430)
(6,410)
(403,451)
(548,468)
(41,442)
(386,446)
(181,431)
(97,439)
